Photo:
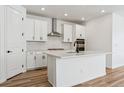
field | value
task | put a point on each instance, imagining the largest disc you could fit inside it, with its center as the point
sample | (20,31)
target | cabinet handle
(33,37)
(22,18)
(22,34)
(41,38)
(34,57)
(68,39)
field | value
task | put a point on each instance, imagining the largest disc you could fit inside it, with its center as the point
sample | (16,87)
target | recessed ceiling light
(102,11)
(65,14)
(43,9)
(82,18)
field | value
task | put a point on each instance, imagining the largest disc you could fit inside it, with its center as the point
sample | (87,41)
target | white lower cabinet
(44,59)
(36,60)
(30,60)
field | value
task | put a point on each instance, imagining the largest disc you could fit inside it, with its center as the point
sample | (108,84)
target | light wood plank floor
(38,78)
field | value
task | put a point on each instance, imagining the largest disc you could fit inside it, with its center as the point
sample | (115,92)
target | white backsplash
(53,42)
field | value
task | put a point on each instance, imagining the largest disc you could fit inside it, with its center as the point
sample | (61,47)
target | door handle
(9,51)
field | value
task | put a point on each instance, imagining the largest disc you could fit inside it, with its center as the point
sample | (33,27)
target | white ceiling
(75,12)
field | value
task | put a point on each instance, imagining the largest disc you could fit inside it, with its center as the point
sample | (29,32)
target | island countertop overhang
(69,54)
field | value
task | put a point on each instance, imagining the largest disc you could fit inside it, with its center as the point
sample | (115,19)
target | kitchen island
(67,68)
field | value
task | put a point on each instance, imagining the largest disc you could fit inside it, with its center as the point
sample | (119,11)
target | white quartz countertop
(72,53)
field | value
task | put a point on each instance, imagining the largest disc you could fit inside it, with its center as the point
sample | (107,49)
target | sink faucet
(77,46)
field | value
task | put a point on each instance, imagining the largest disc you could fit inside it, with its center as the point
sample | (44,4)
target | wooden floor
(38,78)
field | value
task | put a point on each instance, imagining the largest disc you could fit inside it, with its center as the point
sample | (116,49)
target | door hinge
(43,57)
(22,50)
(22,66)
(22,18)
(22,34)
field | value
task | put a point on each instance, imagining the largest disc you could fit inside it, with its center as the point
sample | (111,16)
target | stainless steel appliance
(80,45)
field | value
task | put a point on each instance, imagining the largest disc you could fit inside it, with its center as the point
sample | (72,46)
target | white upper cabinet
(40,30)
(80,31)
(36,30)
(29,29)
(67,32)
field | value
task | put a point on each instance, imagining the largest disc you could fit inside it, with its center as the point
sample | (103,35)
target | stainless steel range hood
(54,29)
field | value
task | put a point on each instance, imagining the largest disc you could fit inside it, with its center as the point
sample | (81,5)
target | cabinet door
(67,33)
(31,60)
(43,35)
(38,62)
(29,29)
(80,32)
(44,59)
(40,30)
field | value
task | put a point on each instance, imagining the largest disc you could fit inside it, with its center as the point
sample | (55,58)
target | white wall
(99,34)
(2,61)
(118,41)
(106,33)
(53,42)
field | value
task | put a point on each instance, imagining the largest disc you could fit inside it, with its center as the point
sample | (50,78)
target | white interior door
(13,42)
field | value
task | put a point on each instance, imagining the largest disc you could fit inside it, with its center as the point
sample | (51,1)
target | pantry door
(13,42)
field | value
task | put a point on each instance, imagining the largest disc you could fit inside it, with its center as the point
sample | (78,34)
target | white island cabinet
(70,69)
